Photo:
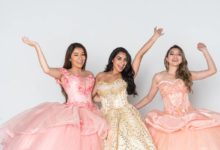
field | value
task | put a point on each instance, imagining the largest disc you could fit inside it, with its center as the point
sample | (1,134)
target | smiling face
(119,62)
(78,58)
(174,57)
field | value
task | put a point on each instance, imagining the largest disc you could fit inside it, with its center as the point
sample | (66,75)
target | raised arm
(145,48)
(198,75)
(151,94)
(54,72)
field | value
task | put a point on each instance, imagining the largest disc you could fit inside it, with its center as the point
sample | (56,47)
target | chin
(80,66)
(121,70)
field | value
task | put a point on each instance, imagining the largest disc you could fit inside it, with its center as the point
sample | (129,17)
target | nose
(124,62)
(176,55)
(80,57)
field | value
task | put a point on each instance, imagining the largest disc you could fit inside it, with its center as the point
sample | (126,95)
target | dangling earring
(70,60)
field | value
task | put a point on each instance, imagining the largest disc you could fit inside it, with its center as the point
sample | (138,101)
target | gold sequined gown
(127,131)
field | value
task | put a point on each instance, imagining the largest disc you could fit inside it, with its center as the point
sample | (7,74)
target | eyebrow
(176,52)
(78,52)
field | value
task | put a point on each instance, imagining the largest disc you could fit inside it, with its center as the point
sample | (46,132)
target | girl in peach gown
(180,126)
(73,125)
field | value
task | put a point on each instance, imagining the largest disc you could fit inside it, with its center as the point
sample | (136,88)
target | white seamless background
(101,26)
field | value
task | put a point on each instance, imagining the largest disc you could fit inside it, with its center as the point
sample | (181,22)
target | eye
(171,54)
(118,58)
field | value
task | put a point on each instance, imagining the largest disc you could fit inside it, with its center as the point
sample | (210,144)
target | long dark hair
(183,71)
(67,63)
(127,73)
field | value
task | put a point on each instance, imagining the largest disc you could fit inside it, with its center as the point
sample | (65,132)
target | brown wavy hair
(183,71)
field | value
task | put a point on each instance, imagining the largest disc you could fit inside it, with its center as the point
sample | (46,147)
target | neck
(115,73)
(172,70)
(76,70)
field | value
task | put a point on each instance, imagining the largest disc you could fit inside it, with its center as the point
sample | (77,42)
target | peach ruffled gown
(75,125)
(180,126)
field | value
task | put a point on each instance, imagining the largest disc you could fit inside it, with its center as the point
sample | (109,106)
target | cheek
(84,57)
(73,58)
(114,61)
(180,58)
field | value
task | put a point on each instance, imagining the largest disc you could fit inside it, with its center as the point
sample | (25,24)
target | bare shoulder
(159,76)
(87,73)
(100,76)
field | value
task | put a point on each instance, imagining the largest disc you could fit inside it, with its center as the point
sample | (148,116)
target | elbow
(47,71)
(214,71)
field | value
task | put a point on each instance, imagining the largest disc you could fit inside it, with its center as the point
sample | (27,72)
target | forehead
(78,50)
(121,54)
(175,50)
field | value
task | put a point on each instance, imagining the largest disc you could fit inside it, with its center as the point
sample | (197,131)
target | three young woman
(78,124)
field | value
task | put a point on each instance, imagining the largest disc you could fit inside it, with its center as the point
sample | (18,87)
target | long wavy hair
(127,73)
(183,71)
(67,63)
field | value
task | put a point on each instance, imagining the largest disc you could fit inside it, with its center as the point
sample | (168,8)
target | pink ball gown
(75,125)
(180,126)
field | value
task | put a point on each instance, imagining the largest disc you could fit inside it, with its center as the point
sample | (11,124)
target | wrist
(155,37)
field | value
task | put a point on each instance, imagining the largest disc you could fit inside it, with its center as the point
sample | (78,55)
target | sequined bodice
(113,95)
(78,88)
(175,97)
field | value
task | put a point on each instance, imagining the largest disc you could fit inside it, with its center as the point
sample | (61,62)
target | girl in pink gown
(180,126)
(73,125)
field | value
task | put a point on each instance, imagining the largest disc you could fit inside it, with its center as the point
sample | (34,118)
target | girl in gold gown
(127,130)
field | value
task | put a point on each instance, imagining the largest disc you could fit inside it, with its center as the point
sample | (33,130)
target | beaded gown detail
(127,129)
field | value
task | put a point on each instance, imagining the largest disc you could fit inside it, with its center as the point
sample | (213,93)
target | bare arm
(95,95)
(145,48)
(151,94)
(54,72)
(198,75)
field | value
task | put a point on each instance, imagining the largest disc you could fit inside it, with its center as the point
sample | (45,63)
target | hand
(201,46)
(29,42)
(158,32)
(97,98)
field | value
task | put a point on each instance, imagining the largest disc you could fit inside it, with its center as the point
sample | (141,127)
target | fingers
(24,39)
(158,30)
(201,45)
(155,29)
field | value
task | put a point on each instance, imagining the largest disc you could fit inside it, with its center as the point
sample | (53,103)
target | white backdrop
(101,26)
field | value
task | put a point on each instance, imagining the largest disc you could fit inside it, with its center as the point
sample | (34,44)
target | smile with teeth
(80,62)
(121,67)
(174,60)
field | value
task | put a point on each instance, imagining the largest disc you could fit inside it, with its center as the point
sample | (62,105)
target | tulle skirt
(55,126)
(196,130)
